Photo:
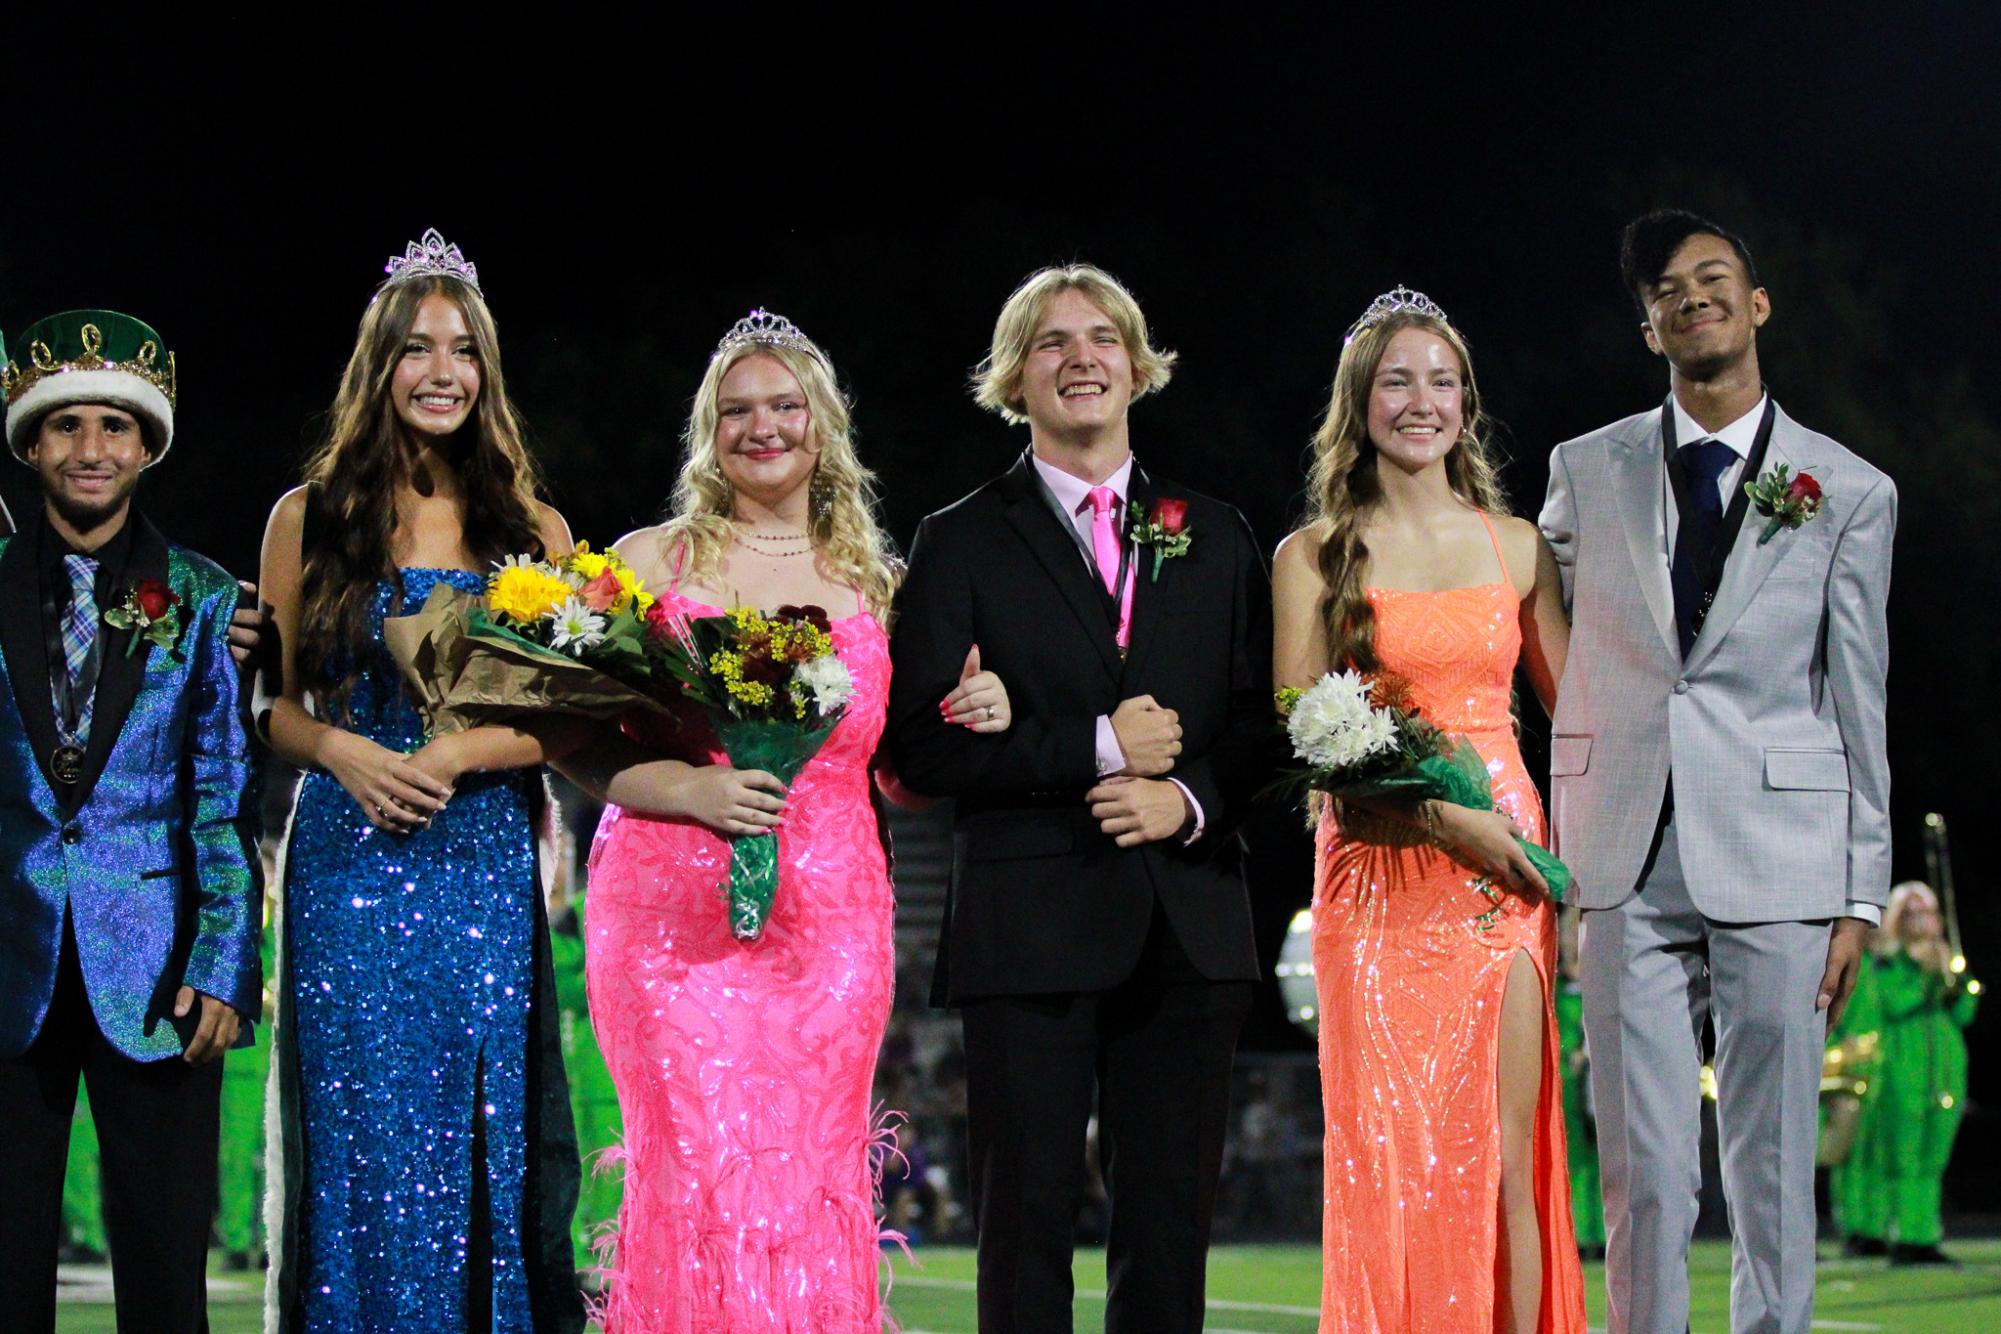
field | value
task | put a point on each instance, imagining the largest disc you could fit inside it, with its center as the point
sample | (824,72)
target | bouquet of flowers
(568,634)
(773,689)
(580,635)
(1361,738)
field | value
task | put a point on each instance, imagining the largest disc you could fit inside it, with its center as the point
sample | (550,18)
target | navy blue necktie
(1701,463)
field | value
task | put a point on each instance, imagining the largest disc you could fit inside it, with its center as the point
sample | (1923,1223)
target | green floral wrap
(781,749)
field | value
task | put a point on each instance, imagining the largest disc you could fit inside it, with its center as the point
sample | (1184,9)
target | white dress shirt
(1739,435)
(1073,496)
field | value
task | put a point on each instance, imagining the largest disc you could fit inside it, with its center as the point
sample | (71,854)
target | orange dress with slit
(1410,982)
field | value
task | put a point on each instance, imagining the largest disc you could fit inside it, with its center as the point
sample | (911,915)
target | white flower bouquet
(1361,737)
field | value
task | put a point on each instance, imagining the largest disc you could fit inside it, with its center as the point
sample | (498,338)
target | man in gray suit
(1720,786)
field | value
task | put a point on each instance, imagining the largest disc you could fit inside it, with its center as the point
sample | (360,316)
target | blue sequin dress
(411,966)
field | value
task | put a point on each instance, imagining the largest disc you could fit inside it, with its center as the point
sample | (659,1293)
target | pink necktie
(1105,542)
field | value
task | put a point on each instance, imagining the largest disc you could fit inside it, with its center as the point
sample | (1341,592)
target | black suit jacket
(1041,900)
(23,638)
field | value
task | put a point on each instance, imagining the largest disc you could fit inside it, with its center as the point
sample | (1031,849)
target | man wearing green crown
(129,902)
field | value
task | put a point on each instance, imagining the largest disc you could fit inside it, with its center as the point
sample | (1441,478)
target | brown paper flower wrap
(467,670)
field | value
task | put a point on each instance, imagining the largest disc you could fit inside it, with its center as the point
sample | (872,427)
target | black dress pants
(1154,1053)
(156,1131)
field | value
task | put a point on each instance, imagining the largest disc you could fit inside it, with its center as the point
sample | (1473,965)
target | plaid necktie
(80,632)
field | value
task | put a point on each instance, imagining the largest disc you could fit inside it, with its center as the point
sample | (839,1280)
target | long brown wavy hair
(1343,485)
(355,471)
(847,533)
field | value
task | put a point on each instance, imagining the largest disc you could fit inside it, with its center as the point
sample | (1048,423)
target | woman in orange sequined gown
(1447,1190)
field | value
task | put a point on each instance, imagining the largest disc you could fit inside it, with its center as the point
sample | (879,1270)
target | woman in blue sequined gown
(425,1185)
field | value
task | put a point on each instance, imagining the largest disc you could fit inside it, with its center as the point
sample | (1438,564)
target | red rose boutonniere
(152,611)
(1165,529)
(1786,500)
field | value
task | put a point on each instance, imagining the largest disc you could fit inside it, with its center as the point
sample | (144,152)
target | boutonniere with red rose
(1785,498)
(1164,528)
(152,611)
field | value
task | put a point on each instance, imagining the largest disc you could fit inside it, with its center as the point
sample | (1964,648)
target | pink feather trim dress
(744,1069)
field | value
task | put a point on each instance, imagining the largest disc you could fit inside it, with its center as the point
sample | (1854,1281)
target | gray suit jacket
(1773,727)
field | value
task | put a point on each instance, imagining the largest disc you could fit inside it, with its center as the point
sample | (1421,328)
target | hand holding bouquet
(1363,739)
(773,689)
(580,635)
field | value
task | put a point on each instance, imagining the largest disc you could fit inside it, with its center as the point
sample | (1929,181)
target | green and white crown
(89,356)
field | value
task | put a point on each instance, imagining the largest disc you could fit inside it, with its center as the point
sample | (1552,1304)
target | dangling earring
(820,497)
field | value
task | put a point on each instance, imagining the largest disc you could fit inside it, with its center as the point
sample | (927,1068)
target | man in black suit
(1098,935)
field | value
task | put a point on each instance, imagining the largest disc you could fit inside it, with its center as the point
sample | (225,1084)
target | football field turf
(1276,1290)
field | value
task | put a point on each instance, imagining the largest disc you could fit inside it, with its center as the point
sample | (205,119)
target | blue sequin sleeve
(227,881)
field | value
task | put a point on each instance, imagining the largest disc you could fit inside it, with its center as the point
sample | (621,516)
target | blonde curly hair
(845,525)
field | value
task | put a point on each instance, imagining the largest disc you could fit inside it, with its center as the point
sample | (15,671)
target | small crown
(432,255)
(767,329)
(1395,301)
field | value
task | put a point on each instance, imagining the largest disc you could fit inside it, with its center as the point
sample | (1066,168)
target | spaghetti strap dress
(744,1068)
(1410,979)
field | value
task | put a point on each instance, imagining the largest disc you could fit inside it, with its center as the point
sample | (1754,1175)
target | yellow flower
(587,563)
(525,592)
(633,589)
(729,666)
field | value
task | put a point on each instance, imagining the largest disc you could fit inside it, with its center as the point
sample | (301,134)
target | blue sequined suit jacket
(151,851)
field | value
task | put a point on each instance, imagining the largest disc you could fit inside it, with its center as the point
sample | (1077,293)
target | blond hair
(997,379)
(847,533)
(1889,937)
(1342,486)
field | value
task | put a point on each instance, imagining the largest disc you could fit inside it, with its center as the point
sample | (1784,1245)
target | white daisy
(524,562)
(576,627)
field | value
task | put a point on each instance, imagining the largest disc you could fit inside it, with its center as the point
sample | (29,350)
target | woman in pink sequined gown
(744,1068)
(1447,1203)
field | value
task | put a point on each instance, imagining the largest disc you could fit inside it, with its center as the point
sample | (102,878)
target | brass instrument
(1938,870)
(1845,1068)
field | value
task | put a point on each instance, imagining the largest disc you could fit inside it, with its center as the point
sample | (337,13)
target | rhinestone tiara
(432,255)
(1396,301)
(766,329)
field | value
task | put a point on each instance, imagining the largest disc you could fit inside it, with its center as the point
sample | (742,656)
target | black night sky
(626,195)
